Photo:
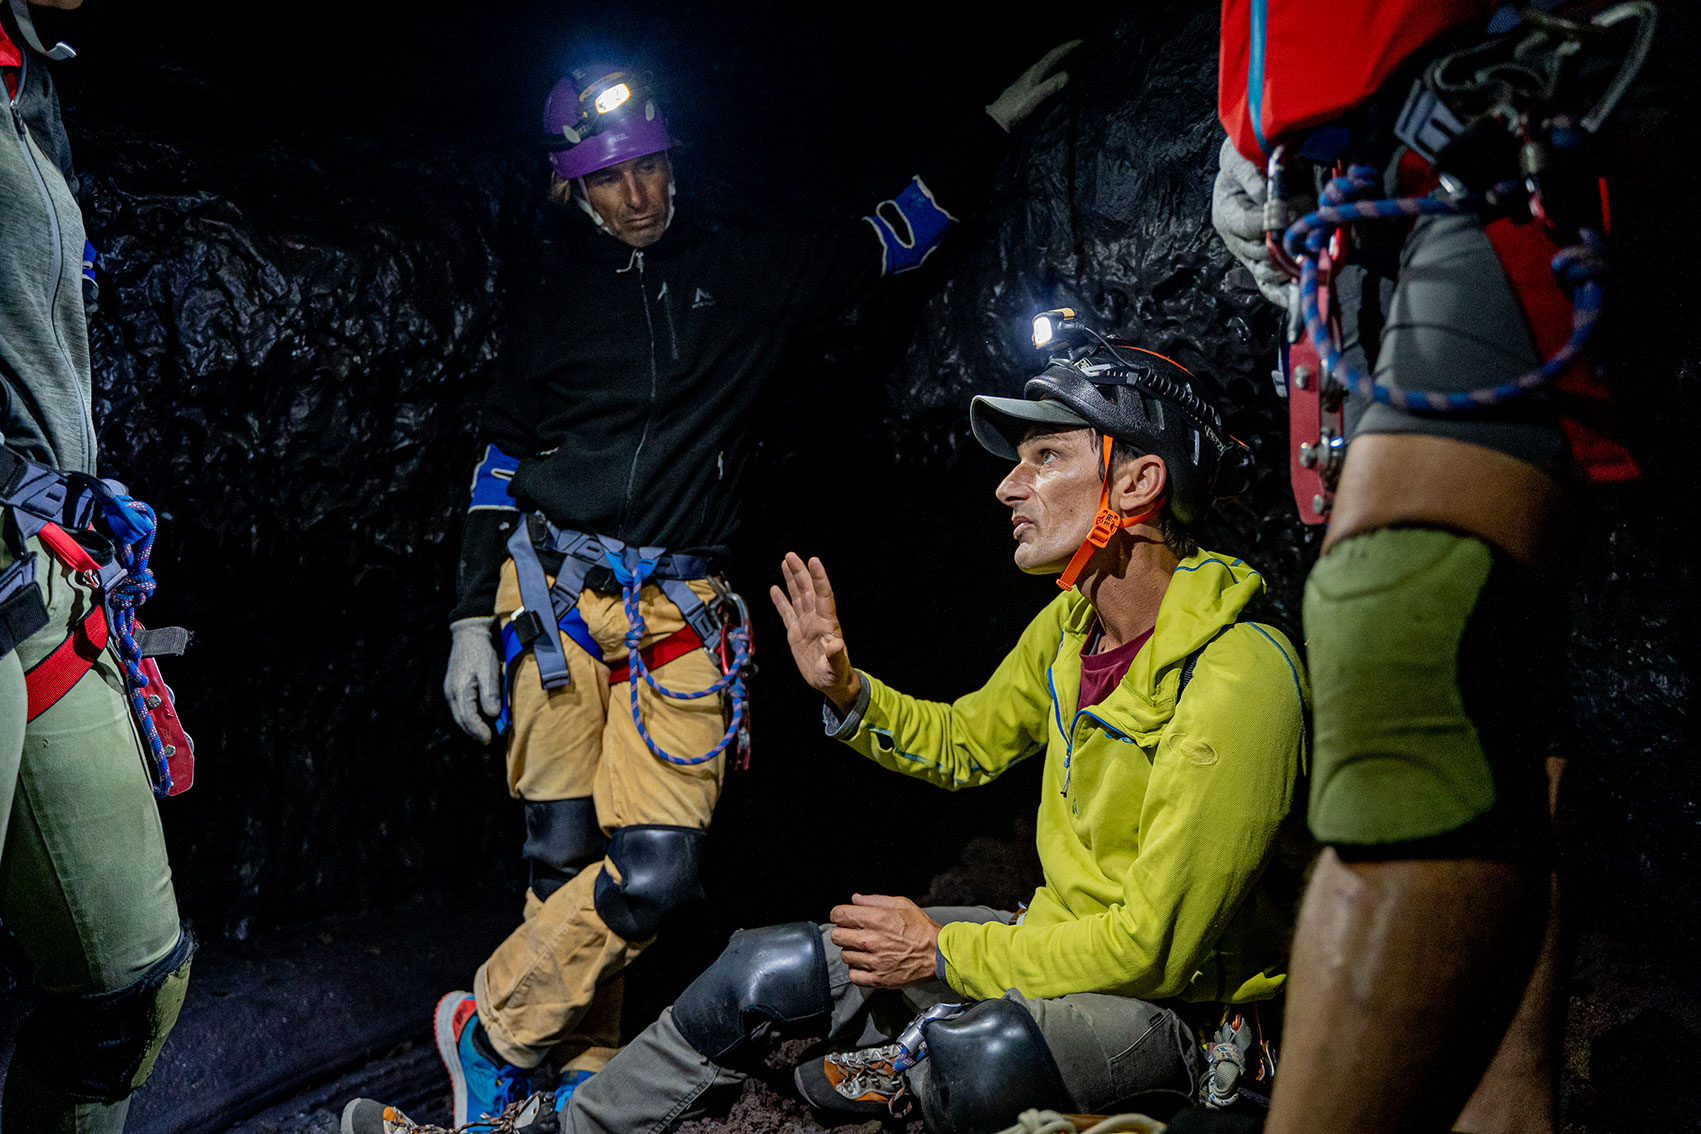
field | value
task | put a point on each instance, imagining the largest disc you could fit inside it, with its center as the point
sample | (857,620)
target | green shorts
(1435,668)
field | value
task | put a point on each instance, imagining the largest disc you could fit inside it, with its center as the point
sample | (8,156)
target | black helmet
(1133,395)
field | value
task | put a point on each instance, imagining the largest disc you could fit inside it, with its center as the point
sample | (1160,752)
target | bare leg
(1520,1092)
(1405,974)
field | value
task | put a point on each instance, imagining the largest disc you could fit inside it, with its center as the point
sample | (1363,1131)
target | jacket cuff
(939,965)
(484,548)
(843,728)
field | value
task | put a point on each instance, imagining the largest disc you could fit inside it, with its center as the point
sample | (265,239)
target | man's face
(633,198)
(1053,495)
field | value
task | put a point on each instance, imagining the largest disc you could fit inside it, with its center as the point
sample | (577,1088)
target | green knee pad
(1397,758)
(101,1046)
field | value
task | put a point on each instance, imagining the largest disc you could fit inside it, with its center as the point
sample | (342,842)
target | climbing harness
(723,629)
(51,506)
(59,52)
(1492,123)
(1578,268)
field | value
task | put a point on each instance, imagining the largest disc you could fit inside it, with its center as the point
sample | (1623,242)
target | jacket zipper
(643,434)
(672,331)
(56,258)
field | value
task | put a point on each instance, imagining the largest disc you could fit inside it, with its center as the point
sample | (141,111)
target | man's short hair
(1181,541)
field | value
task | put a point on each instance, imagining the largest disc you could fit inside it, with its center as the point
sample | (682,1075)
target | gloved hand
(1024,96)
(473,685)
(1237,213)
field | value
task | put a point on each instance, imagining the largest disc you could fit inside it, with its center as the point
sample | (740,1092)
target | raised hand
(812,627)
(1032,88)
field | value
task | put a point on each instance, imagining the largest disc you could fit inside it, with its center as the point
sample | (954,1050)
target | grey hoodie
(44,345)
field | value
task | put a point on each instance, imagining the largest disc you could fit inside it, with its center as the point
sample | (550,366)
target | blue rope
(732,680)
(1578,269)
(134,589)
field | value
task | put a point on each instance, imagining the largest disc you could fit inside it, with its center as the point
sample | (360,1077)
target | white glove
(1237,213)
(473,685)
(1024,96)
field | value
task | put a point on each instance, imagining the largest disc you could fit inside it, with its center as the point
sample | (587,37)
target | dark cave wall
(296,328)
(289,350)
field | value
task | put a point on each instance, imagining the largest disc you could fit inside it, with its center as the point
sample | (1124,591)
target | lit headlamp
(602,103)
(612,98)
(1049,326)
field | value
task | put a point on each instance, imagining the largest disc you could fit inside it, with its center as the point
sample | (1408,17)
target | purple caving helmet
(583,137)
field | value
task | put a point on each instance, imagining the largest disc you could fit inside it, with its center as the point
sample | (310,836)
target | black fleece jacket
(627,376)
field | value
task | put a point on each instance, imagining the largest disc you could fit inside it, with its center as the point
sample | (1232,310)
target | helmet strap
(1105,525)
(582,199)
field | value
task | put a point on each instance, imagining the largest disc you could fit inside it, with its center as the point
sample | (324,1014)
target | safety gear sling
(727,640)
(1500,128)
(44,503)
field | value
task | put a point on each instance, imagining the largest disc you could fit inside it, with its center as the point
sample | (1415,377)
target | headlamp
(1050,325)
(602,103)
(613,97)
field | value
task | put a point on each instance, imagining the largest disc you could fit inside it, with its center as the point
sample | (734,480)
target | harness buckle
(527,624)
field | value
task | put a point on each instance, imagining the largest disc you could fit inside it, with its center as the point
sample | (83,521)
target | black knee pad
(658,872)
(764,978)
(562,838)
(984,1068)
(101,1046)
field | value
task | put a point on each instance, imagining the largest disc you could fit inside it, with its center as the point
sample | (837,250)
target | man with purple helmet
(596,139)
(614,444)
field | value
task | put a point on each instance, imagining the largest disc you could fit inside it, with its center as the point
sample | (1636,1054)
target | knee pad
(1429,659)
(562,838)
(101,1046)
(984,1068)
(772,977)
(658,872)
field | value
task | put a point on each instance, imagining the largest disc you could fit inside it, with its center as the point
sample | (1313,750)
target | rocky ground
(282,1032)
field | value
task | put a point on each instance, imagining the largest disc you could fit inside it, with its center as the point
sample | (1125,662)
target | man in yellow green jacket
(1173,733)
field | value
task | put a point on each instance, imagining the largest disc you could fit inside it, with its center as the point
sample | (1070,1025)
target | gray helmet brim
(999,424)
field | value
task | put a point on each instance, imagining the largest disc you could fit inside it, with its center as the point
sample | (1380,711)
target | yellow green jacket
(1156,823)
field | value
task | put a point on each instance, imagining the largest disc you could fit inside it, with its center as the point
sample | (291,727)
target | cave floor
(281,1030)
(1624,1009)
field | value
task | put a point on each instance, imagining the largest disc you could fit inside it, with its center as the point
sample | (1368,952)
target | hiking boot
(484,1083)
(853,1082)
(533,1115)
(369,1116)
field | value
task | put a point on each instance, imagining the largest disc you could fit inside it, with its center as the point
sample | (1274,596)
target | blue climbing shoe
(570,1082)
(484,1084)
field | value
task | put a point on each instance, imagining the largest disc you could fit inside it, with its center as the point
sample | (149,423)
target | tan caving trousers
(554,984)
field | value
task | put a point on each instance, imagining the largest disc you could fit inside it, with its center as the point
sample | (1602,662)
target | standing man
(1173,733)
(1434,618)
(616,440)
(86,888)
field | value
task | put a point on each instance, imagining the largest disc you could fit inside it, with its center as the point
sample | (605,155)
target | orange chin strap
(1105,525)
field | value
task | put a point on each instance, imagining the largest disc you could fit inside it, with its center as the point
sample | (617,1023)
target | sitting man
(1174,737)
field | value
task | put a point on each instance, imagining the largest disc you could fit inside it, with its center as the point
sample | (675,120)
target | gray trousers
(1107,1048)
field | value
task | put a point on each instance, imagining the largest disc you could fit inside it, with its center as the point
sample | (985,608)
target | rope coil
(731,679)
(131,591)
(1578,269)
